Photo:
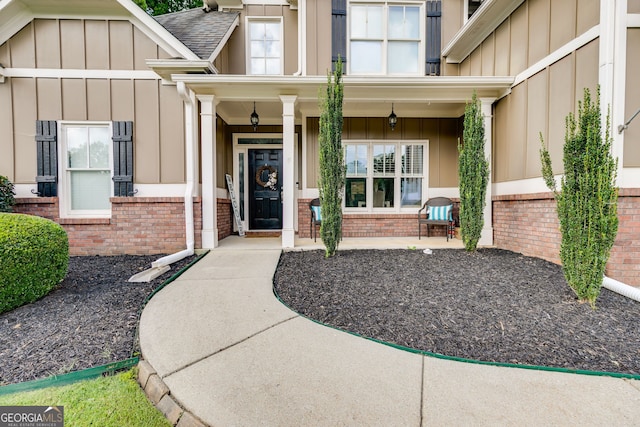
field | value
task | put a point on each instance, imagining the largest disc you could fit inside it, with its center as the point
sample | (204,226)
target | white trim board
(80,74)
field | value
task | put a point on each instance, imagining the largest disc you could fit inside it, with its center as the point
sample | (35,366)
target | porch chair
(316,217)
(437,211)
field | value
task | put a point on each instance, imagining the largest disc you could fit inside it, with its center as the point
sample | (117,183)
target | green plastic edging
(71,377)
(465,360)
(97,371)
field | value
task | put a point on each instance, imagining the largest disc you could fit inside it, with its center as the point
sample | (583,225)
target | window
(264,46)
(385,38)
(472,6)
(86,169)
(384,175)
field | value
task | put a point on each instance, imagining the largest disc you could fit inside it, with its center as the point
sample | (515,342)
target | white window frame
(64,187)
(252,19)
(385,42)
(397,177)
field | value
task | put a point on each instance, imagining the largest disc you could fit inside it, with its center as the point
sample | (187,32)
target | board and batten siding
(442,134)
(59,44)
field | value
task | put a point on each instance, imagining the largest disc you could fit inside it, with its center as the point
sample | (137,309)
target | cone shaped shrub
(587,200)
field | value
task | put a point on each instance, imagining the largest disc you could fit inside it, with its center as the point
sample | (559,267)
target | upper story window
(386,38)
(264,48)
(472,6)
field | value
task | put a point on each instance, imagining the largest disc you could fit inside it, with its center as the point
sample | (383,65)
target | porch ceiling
(363,96)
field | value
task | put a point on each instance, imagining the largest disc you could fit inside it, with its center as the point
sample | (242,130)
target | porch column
(208,149)
(288,170)
(486,237)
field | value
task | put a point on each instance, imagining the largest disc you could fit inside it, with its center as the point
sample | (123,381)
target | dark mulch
(89,320)
(493,305)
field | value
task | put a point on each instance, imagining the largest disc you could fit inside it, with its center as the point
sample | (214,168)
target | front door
(265,196)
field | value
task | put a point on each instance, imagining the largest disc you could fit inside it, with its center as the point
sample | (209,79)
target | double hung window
(87,169)
(384,175)
(385,38)
(264,46)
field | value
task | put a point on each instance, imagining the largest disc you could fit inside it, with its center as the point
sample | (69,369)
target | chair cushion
(317,212)
(440,213)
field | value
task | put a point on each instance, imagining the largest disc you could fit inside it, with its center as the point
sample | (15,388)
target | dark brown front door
(265,196)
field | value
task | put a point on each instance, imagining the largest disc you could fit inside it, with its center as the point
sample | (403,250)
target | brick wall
(370,224)
(225,218)
(138,225)
(529,224)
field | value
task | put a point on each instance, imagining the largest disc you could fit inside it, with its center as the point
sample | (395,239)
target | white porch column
(486,237)
(208,149)
(288,170)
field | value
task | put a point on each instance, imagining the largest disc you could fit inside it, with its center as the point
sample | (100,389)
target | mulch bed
(89,320)
(492,305)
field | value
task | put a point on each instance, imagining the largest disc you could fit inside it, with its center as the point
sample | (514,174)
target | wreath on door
(272,177)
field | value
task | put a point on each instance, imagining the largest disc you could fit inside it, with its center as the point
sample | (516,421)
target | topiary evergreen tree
(473,172)
(587,203)
(332,168)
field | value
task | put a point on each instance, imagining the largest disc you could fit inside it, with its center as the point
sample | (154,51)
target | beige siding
(537,113)
(98,100)
(172,156)
(632,134)
(500,166)
(517,132)
(6,134)
(147,132)
(442,134)
(633,6)
(588,15)
(318,39)
(121,45)
(503,45)
(72,44)
(538,30)
(586,70)
(47,38)
(519,35)
(51,90)
(22,49)
(452,18)
(74,99)
(488,56)
(563,23)
(24,120)
(156,110)
(561,87)
(97,41)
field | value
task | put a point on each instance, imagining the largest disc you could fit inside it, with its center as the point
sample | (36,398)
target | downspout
(302,38)
(621,288)
(161,265)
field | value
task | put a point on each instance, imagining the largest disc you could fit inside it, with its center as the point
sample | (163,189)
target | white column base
(209,239)
(486,237)
(288,238)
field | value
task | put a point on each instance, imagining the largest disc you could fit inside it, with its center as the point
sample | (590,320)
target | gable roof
(203,33)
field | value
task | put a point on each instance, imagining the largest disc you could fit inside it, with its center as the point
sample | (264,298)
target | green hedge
(34,256)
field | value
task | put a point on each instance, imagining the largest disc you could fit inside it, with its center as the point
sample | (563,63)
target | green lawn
(108,401)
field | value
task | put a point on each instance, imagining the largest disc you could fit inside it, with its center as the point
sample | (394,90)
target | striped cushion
(317,212)
(440,213)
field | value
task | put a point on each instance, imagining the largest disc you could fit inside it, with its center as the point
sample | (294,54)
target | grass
(107,401)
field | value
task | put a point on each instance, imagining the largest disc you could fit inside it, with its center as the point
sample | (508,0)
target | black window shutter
(338,32)
(434,14)
(47,157)
(122,159)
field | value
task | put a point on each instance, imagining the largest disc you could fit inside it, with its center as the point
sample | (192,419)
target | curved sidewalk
(219,349)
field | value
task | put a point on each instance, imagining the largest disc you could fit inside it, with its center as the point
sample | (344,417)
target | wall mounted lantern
(393,119)
(255,119)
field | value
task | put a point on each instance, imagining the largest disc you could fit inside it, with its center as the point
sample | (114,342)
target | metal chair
(316,217)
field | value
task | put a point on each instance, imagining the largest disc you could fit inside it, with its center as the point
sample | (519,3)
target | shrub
(473,171)
(34,256)
(587,202)
(6,194)
(332,168)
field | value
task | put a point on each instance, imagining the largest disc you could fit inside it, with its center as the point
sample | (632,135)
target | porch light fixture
(393,119)
(255,119)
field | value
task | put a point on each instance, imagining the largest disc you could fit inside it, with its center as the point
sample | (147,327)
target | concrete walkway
(219,349)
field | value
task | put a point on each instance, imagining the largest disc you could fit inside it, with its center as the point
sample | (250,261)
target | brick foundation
(225,218)
(138,225)
(528,224)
